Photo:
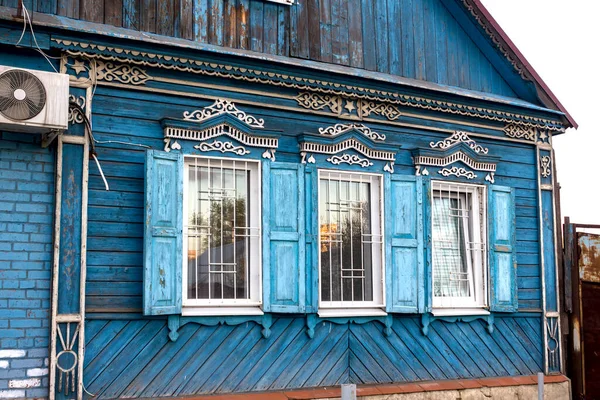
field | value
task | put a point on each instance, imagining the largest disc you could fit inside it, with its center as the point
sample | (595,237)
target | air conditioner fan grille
(22,95)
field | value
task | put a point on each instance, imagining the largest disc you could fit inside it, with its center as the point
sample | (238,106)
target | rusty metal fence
(582,304)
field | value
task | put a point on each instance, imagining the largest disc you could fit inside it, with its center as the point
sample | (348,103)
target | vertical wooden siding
(136,359)
(417,39)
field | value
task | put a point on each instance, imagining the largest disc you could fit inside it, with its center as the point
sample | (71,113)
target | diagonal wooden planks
(135,358)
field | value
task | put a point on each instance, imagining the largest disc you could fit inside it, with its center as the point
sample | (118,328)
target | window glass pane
(346,240)
(218,230)
(451,268)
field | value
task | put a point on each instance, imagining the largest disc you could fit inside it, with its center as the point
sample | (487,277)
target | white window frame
(377,305)
(477,303)
(209,307)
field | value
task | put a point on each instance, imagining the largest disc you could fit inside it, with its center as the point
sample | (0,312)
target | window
(350,245)
(221,234)
(459,247)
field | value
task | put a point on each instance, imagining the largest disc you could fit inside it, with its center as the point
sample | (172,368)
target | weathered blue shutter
(405,275)
(427,244)
(312,238)
(284,279)
(502,257)
(163,233)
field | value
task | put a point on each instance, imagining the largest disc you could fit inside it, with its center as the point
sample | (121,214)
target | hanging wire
(27,19)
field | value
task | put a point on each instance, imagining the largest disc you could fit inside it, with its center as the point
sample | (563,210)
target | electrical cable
(27,18)
(101,173)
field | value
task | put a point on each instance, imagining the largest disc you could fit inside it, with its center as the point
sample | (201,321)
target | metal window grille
(219,231)
(458,230)
(350,238)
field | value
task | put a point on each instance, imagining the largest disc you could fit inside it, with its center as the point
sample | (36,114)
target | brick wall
(26,226)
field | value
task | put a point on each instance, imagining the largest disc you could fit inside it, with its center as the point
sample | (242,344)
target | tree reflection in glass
(218,221)
(346,241)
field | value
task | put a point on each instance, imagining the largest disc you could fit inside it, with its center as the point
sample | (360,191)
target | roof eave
(546,95)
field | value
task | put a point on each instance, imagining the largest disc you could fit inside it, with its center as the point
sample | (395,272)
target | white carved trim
(419,170)
(545,163)
(456,138)
(354,144)
(490,177)
(458,172)
(458,156)
(338,129)
(351,159)
(309,160)
(552,342)
(223,147)
(269,154)
(520,132)
(168,145)
(219,130)
(221,107)
(389,167)
(75,116)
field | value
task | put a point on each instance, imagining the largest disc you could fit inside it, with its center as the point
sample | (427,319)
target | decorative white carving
(458,156)
(75,115)
(351,159)
(171,146)
(520,132)
(219,130)
(123,73)
(221,107)
(458,172)
(67,359)
(304,160)
(338,129)
(389,167)
(553,343)
(490,177)
(223,147)
(420,170)
(354,144)
(269,154)
(545,163)
(456,138)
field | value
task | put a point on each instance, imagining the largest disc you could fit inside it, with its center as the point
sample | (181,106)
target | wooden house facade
(258,195)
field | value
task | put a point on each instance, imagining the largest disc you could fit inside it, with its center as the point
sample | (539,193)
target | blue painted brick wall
(26,226)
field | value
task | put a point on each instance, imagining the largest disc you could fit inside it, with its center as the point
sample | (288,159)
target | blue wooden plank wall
(115,229)
(135,358)
(417,39)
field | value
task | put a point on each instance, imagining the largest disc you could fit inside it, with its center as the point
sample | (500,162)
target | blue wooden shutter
(502,257)
(311,179)
(163,233)
(405,275)
(284,279)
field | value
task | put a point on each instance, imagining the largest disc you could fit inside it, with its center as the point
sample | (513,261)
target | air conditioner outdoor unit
(33,101)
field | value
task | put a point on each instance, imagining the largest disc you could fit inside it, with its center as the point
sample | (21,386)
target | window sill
(196,311)
(351,312)
(458,312)
(349,316)
(174,322)
(457,315)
